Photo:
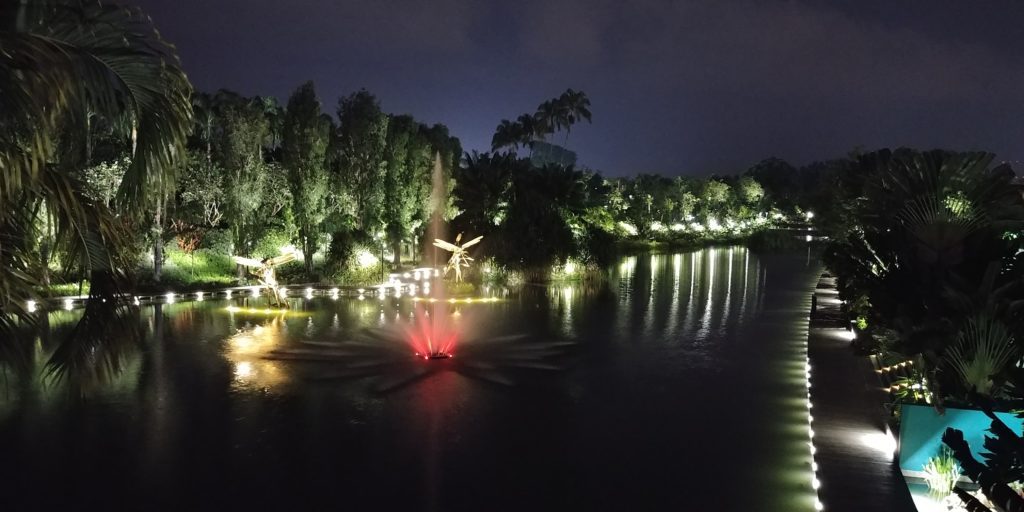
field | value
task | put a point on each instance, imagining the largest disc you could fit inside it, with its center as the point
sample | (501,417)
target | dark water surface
(682,391)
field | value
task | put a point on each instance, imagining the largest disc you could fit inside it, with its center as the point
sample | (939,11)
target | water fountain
(435,340)
(402,354)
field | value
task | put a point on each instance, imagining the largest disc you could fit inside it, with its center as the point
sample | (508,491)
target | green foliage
(481,191)
(409,162)
(270,242)
(103,179)
(862,323)
(201,197)
(714,196)
(340,251)
(983,349)
(304,140)
(66,69)
(361,168)
(217,241)
(544,217)
(238,149)
(201,267)
(895,242)
(941,473)
(750,192)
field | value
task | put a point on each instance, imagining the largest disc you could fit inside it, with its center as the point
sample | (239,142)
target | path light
(31,306)
(809,215)
(170,297)
(882,442)
(136,300)
(227,294)
(199,295)
(309,293)
(68,304)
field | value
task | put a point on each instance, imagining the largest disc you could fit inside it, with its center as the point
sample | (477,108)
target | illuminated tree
(201,190)
(749,191)
(714,197)
(406,186)
(238,149)
(362,140)
(304,139)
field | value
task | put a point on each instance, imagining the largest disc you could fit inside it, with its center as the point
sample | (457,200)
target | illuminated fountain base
(383,354)
(435,355)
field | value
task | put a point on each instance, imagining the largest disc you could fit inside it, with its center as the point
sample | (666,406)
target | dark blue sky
(678,87)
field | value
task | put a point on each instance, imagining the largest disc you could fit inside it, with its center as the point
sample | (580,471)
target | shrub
(941,473)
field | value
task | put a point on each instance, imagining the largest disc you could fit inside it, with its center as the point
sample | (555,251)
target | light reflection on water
(687,297)
(681,299)
(663,346)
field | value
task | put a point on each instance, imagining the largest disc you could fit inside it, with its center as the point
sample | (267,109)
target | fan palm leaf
(983,349)
(63,63)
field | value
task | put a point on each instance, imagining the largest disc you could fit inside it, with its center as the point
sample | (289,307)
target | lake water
(674,384)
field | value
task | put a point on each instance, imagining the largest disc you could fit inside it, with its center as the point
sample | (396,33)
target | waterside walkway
(854,449)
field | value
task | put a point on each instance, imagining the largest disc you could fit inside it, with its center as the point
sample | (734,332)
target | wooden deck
(854,449)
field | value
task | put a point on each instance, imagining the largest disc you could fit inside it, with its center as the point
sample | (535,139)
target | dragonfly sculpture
(264,272)
(460,257)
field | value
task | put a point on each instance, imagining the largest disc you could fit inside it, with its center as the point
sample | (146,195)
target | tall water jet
(433,331)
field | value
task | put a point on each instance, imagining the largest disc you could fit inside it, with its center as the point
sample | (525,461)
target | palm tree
(529,130)
(506,135)
(481,188)
(548,118)
(574,106)
(63,62)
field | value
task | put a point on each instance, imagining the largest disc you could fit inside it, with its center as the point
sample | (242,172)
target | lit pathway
(854,452)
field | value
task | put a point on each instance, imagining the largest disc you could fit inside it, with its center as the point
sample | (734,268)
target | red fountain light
(431,338)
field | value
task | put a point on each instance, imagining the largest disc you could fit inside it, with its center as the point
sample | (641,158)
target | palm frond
(983,349)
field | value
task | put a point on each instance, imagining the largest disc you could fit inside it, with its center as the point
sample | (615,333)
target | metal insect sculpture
(460,258)
(264,272)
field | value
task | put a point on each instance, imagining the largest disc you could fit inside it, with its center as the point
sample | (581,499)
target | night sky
(678,87)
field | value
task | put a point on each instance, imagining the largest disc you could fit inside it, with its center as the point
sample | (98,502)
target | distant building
(544,153)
